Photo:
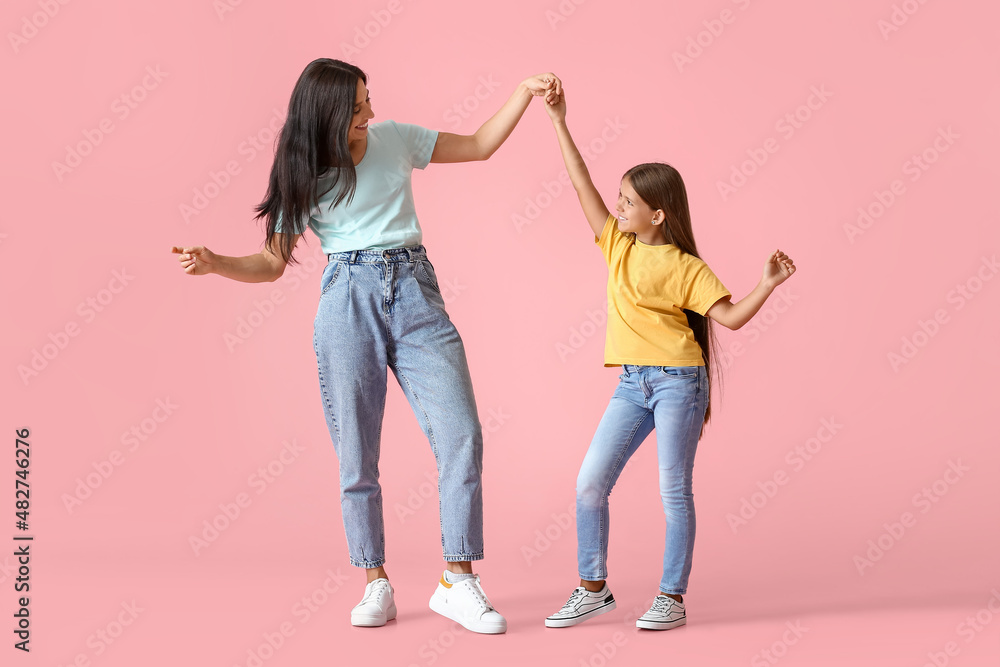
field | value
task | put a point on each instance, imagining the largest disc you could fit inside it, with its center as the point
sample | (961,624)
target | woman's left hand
(547,84)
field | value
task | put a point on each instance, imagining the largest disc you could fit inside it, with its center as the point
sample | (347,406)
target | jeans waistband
(411,253)
(633,368)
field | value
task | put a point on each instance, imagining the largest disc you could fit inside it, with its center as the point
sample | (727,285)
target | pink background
(819,350)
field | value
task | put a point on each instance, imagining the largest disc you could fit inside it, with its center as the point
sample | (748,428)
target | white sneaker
(377,606)
(665,613)
(465,603)
(581,606)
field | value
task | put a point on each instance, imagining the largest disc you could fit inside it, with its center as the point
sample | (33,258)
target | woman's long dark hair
(312,141)
(661,187)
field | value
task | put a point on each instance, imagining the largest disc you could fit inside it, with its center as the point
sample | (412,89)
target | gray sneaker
(665,613)
(581,606)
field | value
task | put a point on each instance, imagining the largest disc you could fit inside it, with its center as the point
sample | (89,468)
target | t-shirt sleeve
(703,287)
(609,236)
(419,142)
(278,226)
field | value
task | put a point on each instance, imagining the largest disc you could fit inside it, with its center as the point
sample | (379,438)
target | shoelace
(472,585)
(380,584)
(661,604)
(573,597)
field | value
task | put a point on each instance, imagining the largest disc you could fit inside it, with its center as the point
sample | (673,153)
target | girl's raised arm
(593,206)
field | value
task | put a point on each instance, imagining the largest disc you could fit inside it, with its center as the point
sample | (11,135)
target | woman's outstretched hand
(778,268)
(196,260)
(547,84)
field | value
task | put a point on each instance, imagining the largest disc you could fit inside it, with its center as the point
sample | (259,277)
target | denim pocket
(329,281)
(426,269)
(681,372)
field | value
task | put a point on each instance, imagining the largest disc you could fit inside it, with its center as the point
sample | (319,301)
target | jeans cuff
(456,558)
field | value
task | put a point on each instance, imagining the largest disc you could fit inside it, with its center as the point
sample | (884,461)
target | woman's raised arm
(488,138)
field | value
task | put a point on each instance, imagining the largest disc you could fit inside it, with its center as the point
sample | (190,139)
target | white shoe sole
(567,622)
(374,621)
(660,625)
(438,604)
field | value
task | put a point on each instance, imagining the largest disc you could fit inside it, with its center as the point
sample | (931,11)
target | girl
(380,305)
(660,296)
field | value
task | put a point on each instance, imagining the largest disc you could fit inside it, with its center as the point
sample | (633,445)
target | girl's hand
(557,110)
(547,84)
(196,260)
(778,268)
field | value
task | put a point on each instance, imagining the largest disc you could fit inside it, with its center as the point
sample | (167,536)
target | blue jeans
(673,399)
(382,309)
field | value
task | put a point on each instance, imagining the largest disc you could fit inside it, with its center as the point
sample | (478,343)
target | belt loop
(409,254)
(625,368)
(354,256)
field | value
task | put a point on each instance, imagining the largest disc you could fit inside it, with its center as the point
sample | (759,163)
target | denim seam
(430,430)
(643,383)
(606,492)
(378,455)
(366,563)
(336,272)
(326,398)
(433,283)
(687,433)
(686,376)
(434,448)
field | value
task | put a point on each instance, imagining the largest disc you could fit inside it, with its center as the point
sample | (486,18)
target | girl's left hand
(778,268)
(547,84)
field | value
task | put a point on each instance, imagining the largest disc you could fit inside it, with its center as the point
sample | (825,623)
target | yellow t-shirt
(648,286)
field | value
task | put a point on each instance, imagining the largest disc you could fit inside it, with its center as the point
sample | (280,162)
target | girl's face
(635,215)
(362,112)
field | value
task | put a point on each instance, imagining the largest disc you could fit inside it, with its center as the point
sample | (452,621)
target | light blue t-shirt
(382,214)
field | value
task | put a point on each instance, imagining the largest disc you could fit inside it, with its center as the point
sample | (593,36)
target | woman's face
(634,215)
(362,112)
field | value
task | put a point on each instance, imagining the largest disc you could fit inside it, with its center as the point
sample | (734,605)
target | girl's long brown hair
(661,187)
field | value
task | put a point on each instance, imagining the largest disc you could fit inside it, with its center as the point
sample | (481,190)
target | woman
(380,306)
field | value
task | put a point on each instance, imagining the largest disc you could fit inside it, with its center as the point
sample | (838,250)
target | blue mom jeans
(383,309)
